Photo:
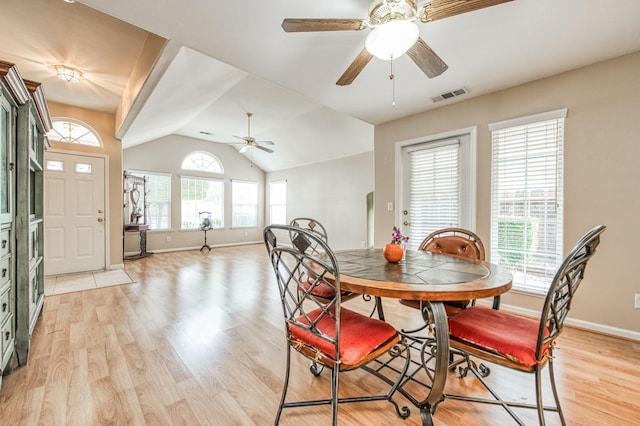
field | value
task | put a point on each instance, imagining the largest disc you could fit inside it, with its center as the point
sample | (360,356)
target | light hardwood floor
(198,339)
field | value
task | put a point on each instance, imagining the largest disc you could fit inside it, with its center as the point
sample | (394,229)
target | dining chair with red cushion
(322,291)
(319,328)
(518,342)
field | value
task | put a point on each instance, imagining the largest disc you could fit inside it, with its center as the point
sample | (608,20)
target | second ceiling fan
(251,142)
(387,20)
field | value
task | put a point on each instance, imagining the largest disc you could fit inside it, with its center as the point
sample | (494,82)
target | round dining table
(431,279)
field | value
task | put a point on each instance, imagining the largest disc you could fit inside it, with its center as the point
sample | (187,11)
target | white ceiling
(229,58)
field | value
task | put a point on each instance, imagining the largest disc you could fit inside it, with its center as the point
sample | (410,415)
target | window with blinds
(527,198)
(158,198)
(434,182)
(244,204)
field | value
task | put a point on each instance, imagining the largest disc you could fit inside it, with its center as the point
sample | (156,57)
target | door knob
(100,219)
(406,223)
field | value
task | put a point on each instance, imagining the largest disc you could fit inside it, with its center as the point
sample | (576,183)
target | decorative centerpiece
(394,251)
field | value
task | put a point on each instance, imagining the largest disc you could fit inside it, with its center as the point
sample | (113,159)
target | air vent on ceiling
(451,94)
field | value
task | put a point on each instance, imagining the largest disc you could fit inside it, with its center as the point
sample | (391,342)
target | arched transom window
(68,130)
(201,161)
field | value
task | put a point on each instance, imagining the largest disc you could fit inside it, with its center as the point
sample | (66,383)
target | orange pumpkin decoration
(393,253)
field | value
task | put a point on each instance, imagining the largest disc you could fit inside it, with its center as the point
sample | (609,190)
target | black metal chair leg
(285,388)
(555,392)
(427,416)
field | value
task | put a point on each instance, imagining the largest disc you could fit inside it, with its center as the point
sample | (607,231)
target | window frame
(516,241)
(214,219)
(151,200)
(235,205)
(212,159)
(54,132)
(273,205)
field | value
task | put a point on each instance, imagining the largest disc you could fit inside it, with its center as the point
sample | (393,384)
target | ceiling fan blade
(439,9)
(294,25)
(270,151)
(238,137)
(265,143)
(425,58)
(355,68)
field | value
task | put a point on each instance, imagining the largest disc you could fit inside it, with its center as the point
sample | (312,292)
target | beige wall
(104,124)
(335,194)
(602,147)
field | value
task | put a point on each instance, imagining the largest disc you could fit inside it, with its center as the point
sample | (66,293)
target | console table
(142,229)
(135,207)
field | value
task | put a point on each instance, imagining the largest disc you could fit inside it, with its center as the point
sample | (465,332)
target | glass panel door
(5,159)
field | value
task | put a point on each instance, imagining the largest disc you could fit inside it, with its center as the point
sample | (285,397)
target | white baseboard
(170,250)
(585,325)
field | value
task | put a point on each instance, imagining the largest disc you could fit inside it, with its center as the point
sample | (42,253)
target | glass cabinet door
(5,159)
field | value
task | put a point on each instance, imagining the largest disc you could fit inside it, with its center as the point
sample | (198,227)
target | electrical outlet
(168,238)
(637,300)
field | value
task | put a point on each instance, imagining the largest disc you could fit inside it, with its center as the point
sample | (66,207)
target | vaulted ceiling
(230,58)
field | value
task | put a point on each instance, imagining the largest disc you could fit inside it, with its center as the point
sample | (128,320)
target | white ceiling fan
(250,142)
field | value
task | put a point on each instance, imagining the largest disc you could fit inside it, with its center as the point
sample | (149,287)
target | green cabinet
(24,121)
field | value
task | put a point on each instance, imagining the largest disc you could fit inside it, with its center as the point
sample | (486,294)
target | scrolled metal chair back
(295,263)
(314,226)
(563,288)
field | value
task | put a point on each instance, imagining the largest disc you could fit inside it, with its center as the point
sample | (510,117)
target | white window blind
(244,206)
(434,199)
(199,195)
(158,199)
(527,198)
(278,202)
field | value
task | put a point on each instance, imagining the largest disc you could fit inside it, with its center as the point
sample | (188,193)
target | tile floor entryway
(60,284)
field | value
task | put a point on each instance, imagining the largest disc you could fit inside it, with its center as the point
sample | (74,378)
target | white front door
(437,187)
(74,213)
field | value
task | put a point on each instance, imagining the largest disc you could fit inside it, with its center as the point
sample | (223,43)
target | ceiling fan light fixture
(392,39)
(68,74)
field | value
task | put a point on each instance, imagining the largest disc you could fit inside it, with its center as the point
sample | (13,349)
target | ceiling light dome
(392,39)
(69,74)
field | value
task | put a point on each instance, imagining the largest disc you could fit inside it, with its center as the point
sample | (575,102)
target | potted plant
(394,251)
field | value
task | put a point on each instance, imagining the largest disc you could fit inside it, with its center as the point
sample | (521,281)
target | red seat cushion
(511,336)
(359,335)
